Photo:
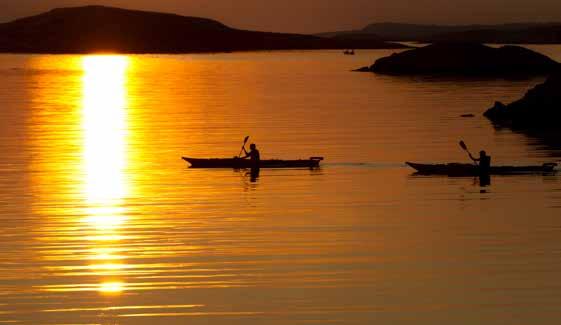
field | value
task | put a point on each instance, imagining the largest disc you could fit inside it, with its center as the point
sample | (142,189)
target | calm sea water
(102,223)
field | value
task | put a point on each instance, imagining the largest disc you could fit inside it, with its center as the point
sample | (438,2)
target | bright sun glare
(104,125)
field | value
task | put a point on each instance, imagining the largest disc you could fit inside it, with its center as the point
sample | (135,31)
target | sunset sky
(308,16)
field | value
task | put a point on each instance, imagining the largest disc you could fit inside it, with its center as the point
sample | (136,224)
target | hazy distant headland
(465,59)
(105,29)
(522,33)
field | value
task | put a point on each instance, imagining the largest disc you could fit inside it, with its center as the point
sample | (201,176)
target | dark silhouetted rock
(466,59)
(104,29)
(540,107)
(363,69)
(536,115)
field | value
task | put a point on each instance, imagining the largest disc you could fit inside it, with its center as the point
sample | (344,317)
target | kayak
(457,169)
(238,163)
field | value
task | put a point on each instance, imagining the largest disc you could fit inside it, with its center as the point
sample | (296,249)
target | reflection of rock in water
(547,138)
(536,115)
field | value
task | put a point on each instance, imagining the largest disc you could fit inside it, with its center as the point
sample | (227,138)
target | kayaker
(253,154)
(484,162)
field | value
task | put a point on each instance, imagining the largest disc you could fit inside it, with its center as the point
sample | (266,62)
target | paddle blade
(463,145)
(244,143)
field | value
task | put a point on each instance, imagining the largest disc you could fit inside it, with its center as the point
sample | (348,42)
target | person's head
(252,146)
(482,153)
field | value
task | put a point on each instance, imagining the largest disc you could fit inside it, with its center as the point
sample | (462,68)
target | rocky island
(465,59)
(94,29)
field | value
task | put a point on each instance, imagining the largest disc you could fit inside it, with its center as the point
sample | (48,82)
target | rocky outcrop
(540,107)
(466,59)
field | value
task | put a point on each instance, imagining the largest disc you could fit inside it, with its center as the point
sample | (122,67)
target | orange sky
(308,16)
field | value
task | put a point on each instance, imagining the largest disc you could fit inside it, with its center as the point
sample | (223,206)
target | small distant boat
(458,169)
(347,52)
(238,163)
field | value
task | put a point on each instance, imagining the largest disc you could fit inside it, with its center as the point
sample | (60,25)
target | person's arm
(247,154)
(473,158)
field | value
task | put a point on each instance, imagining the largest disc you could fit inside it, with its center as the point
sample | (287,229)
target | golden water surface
(102,223)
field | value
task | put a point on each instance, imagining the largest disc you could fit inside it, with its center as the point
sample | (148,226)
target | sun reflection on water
(111,287)
(104,125)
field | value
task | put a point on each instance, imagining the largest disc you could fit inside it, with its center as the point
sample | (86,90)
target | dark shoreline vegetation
(94,29)
(465,60)
(518,33)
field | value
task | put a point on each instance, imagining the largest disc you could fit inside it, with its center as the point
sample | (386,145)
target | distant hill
(505,33)
(105,29)
(530,35)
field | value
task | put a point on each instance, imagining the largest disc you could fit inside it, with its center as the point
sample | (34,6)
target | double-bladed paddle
(464,146)
(243,146)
